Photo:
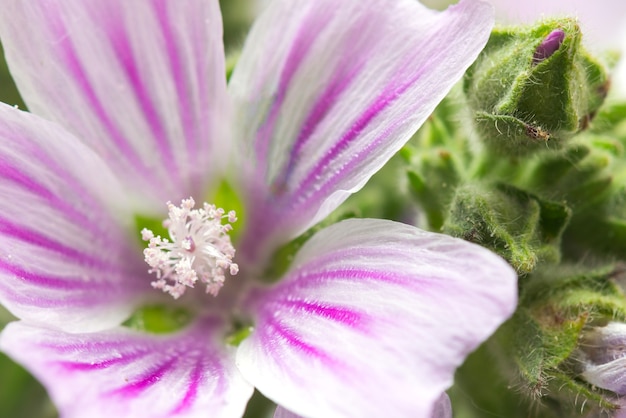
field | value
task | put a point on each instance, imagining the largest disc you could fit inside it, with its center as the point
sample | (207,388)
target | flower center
(199,249)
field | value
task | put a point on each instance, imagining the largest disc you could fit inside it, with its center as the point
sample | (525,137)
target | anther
(199,249)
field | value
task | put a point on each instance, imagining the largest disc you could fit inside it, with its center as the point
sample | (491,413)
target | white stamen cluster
(199,250)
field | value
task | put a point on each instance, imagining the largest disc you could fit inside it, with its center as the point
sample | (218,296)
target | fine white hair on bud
(199,249)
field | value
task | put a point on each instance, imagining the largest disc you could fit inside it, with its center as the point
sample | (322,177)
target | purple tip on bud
(549,46)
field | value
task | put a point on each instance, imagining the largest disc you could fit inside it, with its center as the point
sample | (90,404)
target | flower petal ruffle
(123,373)
(65,260)
(325,95)
(141,82)
(372,320)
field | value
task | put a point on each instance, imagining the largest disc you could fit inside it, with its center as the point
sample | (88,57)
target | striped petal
(141,82)
(372,320)
(122,373)
(326,94)
(65,260)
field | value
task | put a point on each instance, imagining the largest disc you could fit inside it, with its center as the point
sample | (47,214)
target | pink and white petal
(372,320)
(326,94)
(443,407)
(141,82)
(66,259)
(281,412)
(124,373)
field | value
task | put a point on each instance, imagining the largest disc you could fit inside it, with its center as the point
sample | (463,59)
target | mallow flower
(131,110)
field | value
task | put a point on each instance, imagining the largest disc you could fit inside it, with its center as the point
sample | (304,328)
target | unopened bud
(533,88)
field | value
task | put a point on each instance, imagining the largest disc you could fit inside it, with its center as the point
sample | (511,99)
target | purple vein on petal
(331,181)
(79,76)
(339,314)
(42,159)
(345,72)
(275,329)
(77,366)
(18,178)
(152,377)
(34,238)
(387,97)
(96,209)
(201,369)
(320,109)
(178,374)
(361,275)
(201,138)
(304,40)
(95,346)
(12,174)
(365,253)
(120,42)
(181,83)
(18,297)
(51,281)
(191,394)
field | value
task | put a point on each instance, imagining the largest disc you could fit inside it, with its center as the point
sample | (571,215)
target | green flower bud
(517,225)
(557,305)
(533,88)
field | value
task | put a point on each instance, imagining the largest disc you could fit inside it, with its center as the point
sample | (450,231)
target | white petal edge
(372,320)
